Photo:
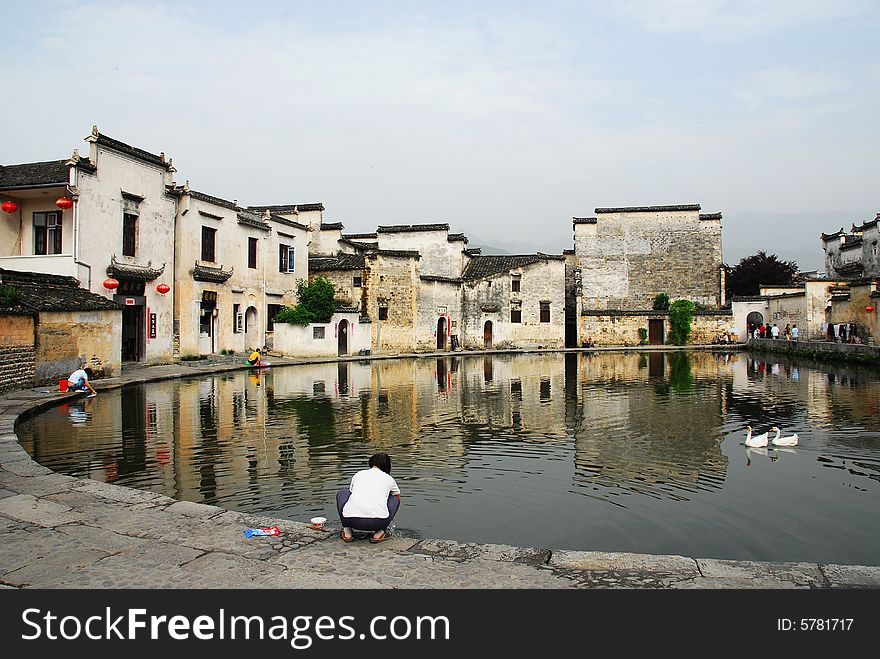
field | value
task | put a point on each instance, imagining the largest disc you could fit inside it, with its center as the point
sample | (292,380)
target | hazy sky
(503,119)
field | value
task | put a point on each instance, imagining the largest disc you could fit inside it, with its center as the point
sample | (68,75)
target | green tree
(681,314)
(661,302)
(316,303)
(747,276)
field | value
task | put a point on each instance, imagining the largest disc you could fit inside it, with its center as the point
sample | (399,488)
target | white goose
(790,440)
(758,441)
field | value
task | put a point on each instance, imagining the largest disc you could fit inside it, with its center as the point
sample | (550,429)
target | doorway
(753,320)
(441,334)
(206,331)
(252,337)
(342,333)
(656,331)
(133,335)
(487,334)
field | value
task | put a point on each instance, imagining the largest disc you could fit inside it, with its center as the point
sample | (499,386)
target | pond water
(611,451)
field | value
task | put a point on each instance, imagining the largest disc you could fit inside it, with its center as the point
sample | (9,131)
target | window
(515,315)
(47,233)
(515,283)
(273,310)
(545,312)
(209,236)
(237,319)
(356,282)
(286,258)
(317,332)
(129,234)
(252,252)
(383,313)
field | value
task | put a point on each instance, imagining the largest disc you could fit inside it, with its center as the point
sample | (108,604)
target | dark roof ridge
(408,228)
(129,150)
(649,209)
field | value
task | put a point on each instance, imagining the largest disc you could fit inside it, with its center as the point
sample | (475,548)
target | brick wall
(623,329)
(16,352)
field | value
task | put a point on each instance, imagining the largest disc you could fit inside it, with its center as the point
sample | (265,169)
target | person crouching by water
(254,358)
(79,381)
(371,501)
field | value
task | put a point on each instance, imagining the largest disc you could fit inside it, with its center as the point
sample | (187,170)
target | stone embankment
(57,531)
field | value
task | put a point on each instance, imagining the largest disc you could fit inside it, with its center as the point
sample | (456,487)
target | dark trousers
(366,523)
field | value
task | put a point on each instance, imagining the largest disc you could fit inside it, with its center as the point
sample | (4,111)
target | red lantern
(110,284)
(163,288)
(869,309)
(9,206)
(64,203)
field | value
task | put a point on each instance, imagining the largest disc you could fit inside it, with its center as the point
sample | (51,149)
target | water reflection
(635,452)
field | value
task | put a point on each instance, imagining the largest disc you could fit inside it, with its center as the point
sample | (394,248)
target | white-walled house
(120,225)
(236,269)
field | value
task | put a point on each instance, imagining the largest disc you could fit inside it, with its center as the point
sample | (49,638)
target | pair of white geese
(759,441)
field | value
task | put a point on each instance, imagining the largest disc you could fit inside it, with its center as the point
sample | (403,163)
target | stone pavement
(57,531)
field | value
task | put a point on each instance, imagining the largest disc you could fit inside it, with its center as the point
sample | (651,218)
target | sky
(504,119)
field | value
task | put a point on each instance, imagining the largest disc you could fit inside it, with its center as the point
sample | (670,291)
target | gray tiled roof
(251,220)
(408,228)
(331,226)
(288,208)
(649,209)
(338,262)
(584,220)
(53,293)
(283,220)
(217,201)
(488,266)
(442,280)
(34,175)
(359,236)
(133,271)
(133,151)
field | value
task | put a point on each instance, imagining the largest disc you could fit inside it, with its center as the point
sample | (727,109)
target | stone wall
(438,300)
(16,352)
(622,328)
(629,257)
(854,310)
(66,341)
(491,300)
(391,282)
(440,256)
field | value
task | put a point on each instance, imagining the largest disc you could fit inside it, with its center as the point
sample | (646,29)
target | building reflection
(650,424)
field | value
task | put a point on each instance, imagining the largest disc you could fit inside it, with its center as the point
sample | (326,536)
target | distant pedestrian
(794,332)
(774,331)
(786,333)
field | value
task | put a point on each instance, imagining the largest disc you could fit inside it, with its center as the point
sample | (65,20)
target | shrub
(316,303)
(643,336)
(192,358)
(297,315)
(661,302)
(681,314)
(9,296)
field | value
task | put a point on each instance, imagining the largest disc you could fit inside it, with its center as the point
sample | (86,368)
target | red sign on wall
(129,301)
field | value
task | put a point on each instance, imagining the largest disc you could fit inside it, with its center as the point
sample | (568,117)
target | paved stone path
(57,531)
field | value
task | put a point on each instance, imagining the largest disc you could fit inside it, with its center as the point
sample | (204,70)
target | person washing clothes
(79,381)
(371,501)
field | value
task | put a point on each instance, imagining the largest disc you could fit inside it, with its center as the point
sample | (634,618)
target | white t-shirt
(775,331)
(78,377)
(794,332)
(370,489)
